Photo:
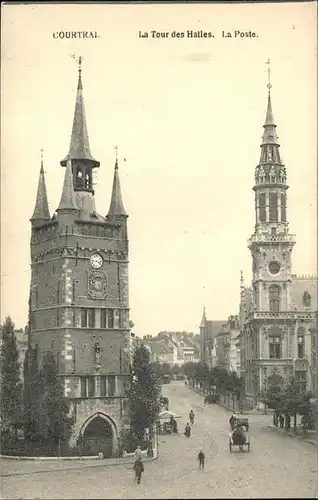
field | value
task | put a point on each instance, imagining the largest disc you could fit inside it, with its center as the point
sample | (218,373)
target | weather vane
(42,151)
(79,61)
(269,86)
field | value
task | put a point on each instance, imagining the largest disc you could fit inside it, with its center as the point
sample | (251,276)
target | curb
(290,434)
(12,457)
(84,466)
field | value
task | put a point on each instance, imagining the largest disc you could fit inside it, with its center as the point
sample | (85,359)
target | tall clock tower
(268,328)
(271,244)
(79,304)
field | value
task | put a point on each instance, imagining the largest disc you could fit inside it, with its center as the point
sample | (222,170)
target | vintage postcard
(159,250)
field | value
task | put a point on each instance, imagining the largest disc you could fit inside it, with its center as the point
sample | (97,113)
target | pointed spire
(79,146)
(41,210)
(116,205)
(270,147)
(269,120)
(68,201)
(203,320)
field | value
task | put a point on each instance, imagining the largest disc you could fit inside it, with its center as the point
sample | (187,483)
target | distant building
(161,352)
(208,331)
(277,313)
(226,346)
(175,348)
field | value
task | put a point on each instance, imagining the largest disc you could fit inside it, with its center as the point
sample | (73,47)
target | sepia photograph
(158,250)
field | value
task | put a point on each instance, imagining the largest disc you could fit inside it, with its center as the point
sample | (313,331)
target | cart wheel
(230,445)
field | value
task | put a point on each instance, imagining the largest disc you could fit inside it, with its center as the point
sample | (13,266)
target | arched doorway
(98,434)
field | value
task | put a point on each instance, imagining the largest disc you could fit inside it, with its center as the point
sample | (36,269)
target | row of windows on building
(107,384)
(87,317)
(273,207)
(275,347)
(274,295)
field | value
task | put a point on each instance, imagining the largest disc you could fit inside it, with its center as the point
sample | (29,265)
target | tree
(46,406)
(274,396)
(11,385)
(221,377)
(211,381)
(190,370)
(177,370)
(201,371)
(157,369)
(296,401)
(166,369)
(144,393)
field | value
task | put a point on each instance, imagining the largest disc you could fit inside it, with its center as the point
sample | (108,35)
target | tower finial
(80,64)
(269,85)
(116,153)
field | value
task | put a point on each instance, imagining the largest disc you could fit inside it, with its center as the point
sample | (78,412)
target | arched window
(301,342)
(87,181)
(274,298)
(79,178)
(273,212)
(283,207)
(262,208)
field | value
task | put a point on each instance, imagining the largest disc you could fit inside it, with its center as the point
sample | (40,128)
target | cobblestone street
(277,465)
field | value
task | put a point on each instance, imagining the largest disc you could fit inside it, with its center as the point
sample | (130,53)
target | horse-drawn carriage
(236,422)
(240,434)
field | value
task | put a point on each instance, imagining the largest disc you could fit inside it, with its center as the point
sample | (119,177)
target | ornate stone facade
(275,320)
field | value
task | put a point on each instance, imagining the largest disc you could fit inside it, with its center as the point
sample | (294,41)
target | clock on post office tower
(96,260)
(274,267)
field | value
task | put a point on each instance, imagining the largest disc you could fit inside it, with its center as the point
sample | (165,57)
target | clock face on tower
(96,261)
(274,267)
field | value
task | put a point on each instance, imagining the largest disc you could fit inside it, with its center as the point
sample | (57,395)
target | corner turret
(41,211)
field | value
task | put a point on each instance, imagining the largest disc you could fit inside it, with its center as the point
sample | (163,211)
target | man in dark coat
(201,458)
(139,469)
(187,430)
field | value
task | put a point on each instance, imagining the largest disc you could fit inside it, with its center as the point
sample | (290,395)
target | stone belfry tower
(268,317)
(79,304)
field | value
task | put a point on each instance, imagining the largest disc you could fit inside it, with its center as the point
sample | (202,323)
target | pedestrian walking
(201,458)
(187,430)
(191,417)
(281,421)
(139,469)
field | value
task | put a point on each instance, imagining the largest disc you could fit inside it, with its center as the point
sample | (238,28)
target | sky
(187,115)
